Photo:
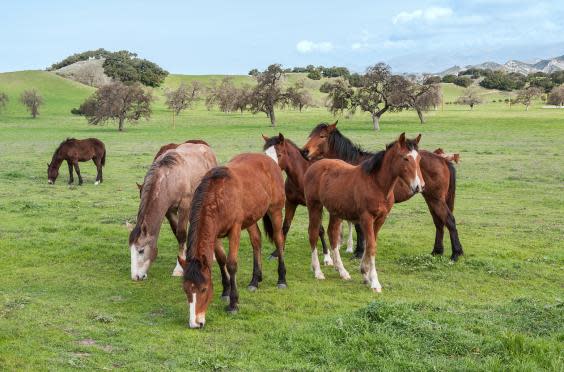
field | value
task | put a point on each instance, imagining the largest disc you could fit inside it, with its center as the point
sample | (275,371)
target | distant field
(66,299)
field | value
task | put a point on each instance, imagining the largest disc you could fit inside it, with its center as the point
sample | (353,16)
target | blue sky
(199,37)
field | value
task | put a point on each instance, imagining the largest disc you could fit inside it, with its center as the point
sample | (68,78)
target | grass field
(66,299)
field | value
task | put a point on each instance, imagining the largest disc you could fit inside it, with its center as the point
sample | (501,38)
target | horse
(168,189)
(361,193)
(74,150)
(326,141)
(229,199)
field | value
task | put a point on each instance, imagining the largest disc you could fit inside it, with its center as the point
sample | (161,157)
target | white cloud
(429,14)
(306,46)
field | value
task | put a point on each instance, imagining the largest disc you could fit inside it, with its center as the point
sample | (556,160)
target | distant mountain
(544,65)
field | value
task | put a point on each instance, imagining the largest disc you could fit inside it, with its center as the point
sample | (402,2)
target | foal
(290,160)
(168,189)
(363,194)
(230,199)
(73,151)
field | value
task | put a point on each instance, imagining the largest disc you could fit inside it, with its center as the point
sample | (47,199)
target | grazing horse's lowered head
(52,173)
(198,286)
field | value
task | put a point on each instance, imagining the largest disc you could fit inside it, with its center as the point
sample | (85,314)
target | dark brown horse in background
(326,141)
(290,159)
(364,194)
(73,150)
(228,200)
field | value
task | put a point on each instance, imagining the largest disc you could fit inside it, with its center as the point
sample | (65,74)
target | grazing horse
(364,194)
(73,150)
(290,159)
(168,189)
(326,141)
(229,199)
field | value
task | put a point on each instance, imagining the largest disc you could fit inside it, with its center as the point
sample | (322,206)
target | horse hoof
(346,276)
(252,288)
(436,253)
(272,257)
(349,250)
(328,262)
(319,276)
(281,285)
(377,290)
(232,310)
(225,298)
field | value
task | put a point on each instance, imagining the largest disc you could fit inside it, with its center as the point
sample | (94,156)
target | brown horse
(168,189)
(73,150)
(363,194)
(326,141)
(172,146)
(290,160)
(229,199)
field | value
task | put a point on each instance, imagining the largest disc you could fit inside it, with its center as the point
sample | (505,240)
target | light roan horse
(326,141)
(73,150)
(229,199)
(363,194)
(168,189)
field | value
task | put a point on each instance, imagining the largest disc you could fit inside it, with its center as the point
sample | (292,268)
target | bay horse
(361,193)
(168,189)
(290,159)
(326,141)
(229,199)
(74,150)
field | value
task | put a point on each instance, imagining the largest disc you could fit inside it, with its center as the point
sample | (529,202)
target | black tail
(451,186)
(268,229)
(104,158)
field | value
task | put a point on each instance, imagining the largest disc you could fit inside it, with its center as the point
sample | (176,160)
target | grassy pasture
(66,300)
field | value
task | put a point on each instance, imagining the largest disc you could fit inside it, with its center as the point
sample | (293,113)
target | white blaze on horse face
(134,258)
(138,265)
(271,152)
(417,183)
(192,315)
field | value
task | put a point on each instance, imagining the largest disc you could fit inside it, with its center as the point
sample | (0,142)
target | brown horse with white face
(168,189)
(229,199)
(326,141)
(363,194)
(73,151)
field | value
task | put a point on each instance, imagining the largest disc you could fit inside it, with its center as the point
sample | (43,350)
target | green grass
(66,299)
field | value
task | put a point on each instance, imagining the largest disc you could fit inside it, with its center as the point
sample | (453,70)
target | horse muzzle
(50,182)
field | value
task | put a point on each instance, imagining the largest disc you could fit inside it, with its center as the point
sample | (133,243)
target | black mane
(344,148)
(61,145)
(374,162)
(193,271)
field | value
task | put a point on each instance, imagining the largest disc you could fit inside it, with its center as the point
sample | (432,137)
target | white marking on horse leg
(192,314)
(365,268)
(271,152)
(97,183)
(374,283)
(315,265)
(327,260)
(339,265)
(350,242)
(178,271)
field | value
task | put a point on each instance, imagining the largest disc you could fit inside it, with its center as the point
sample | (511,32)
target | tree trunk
(272,118)
(120,127)
(526,107)
(173,121)
(376,121)
(420,114)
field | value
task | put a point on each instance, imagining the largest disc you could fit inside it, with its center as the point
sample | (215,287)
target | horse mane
(68,140)
(198,200)
(193,272)
(344,148)
(374,162)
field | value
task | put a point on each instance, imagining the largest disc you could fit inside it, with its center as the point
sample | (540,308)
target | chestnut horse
(229,199)
(326,141)
(168,189)
(73,150)
(364,194)
(290,160)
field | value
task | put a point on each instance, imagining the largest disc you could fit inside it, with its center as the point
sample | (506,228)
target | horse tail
(268,229)
(104,157)
(451,186)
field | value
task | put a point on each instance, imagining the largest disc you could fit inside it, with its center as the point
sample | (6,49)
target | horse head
(198,287)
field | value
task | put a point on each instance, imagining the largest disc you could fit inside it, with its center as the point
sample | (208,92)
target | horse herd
(204,202)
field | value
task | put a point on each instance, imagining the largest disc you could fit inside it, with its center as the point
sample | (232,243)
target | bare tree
(223,95)
(556,96)
(470,98)
(32,100)
(527,95)
(411,94)
(3,100)
(182,98)
(268,93)
(117,101)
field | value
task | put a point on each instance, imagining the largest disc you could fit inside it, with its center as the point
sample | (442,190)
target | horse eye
(203,290)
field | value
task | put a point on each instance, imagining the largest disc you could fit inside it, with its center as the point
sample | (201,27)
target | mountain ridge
(544,65)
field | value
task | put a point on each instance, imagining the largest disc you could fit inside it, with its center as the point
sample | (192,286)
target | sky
(232,37)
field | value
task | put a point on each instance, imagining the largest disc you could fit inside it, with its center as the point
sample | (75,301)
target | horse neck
(206,235)
(153,211)
(297,167)
(350,152)
(386,177)
(57,159)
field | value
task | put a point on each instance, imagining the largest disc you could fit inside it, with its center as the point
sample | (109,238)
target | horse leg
(172,217)
(234,239)
(77,170)
(334,240)
(350,241)
(181,227)
(444,214)
(71,179)
(254,236)
(222,262)
(360,243)
(327,260)
(289,212)
(276,219)
(313,232)
(368,264)
(98,170)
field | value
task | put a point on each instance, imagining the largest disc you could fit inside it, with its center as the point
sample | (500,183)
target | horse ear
(129,226)
(139,186)
(418,138)
(265,138)
(332,127)
(280,136)
(48,165)
(401,139)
